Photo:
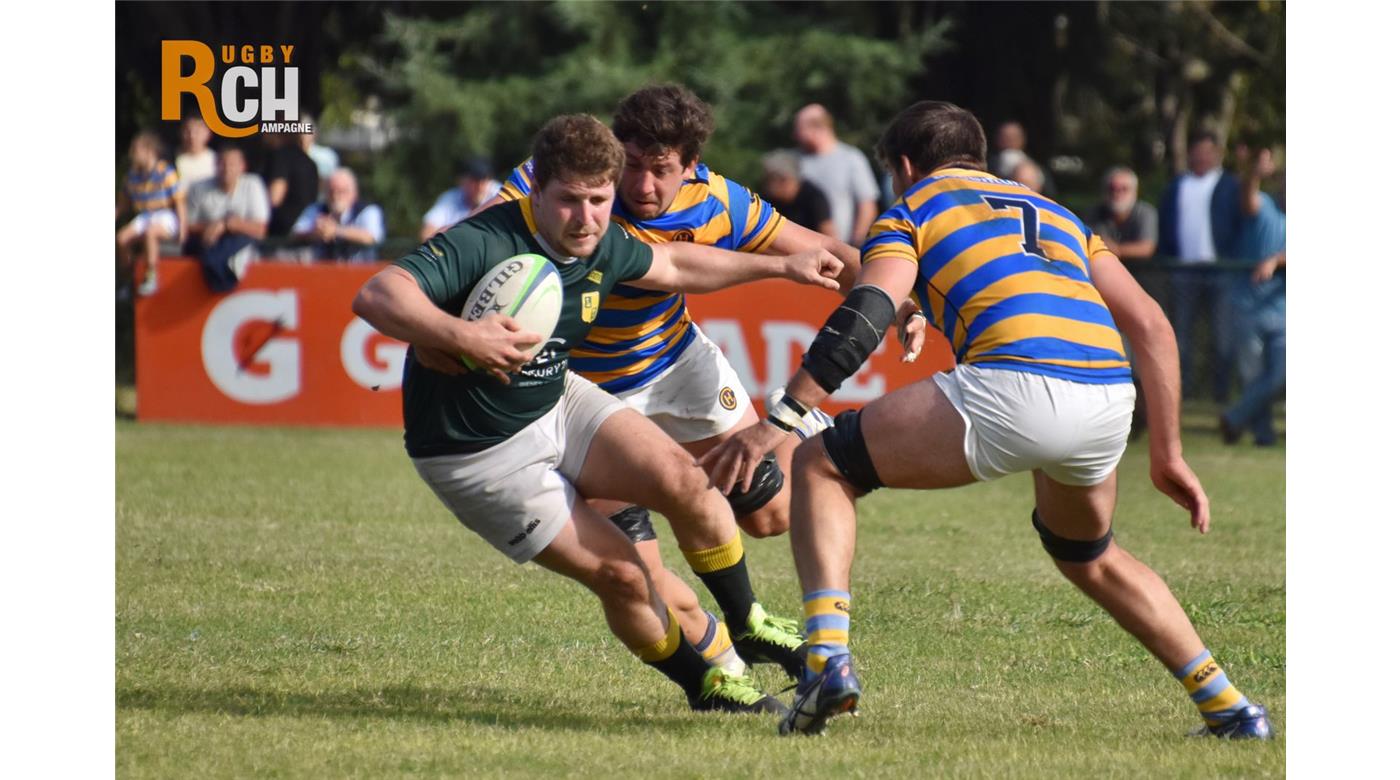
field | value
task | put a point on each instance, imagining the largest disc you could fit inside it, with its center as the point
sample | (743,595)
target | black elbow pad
(850,334)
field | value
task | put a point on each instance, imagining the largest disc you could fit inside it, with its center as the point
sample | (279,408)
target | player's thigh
(632,460)
(607,507)
(587,547)
(915,438)
(1079,512)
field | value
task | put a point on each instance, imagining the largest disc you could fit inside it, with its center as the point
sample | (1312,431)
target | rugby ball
(526,288)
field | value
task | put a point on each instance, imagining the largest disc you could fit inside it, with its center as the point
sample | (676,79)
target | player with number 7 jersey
(1004,273)
(1032,303)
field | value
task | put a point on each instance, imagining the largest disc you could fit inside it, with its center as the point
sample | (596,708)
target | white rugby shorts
(518,494)
(163,217)
(699,396)
(1018,421)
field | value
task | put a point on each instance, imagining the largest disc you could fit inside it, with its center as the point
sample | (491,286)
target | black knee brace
(635,522)
(1070,550)
(845,446)
(767,481)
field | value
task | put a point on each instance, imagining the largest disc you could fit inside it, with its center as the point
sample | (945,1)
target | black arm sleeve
(850,334)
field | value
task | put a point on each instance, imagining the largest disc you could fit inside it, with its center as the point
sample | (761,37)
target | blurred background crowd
(1160,124)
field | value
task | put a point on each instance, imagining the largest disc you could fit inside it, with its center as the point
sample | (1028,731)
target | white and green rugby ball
(527,288)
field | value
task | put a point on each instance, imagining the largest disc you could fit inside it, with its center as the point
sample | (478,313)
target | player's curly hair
(664,117)
(932,134)
(577,147)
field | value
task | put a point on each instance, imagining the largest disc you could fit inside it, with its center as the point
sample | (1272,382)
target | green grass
(295,603)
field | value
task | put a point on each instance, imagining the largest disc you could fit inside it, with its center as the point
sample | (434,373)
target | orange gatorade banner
(285,349)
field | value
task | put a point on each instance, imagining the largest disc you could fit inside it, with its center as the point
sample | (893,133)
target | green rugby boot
(766,639)
(725,692)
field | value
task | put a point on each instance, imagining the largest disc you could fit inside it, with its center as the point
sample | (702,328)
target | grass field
(296,603)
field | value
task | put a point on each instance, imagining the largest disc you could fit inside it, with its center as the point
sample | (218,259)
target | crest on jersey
(683,235)
(590,306)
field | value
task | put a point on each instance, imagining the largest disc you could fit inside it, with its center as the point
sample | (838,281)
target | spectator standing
(195,161)
(293,182)
(340,227)
(1200,214)
(1128,226)
(798,200)
(325,157)
(152,191)
(475,186)
(228,217)
(839,170)
(1259,303)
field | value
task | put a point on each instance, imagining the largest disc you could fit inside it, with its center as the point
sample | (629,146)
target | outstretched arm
(696,268)
(1158,364)
(845,342)
(793,238)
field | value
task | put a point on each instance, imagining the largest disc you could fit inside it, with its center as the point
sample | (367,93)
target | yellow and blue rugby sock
(726,576)
(1210,689)
(828,614)
(716,640)
(676,658)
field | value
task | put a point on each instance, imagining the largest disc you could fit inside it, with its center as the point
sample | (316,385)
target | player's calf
(1140,602)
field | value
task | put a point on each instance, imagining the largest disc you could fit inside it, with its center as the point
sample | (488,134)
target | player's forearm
(392,302)
(1159,369)
(697,268)
(793,238)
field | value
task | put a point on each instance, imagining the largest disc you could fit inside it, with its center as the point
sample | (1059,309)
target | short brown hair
(662,117)
(576,147)
(932,134)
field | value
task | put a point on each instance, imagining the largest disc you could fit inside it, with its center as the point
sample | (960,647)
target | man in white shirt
(839,170)
(1199,216)
(228,216)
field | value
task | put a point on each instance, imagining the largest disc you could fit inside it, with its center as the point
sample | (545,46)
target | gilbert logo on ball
(237,113)
(527,288)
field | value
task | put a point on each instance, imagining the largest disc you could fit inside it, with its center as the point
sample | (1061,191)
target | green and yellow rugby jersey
(453,415)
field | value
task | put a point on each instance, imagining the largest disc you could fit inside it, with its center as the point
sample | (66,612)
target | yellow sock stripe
(1224,700)
(716,558)
(1201,675)
(828,605)
(816,663)
(719,644)
(828,636)
(664,648)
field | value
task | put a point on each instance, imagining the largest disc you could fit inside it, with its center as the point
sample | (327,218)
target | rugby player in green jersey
(646,350)
(511,451)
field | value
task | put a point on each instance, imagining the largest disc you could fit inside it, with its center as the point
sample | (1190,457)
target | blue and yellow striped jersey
(154,189)
(640,333)
(1004,273)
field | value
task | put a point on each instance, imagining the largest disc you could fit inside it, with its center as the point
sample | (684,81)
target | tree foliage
(485,80)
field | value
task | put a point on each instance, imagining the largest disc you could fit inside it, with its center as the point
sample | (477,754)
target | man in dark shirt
(798,200)
(293,183)
(1127,225)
